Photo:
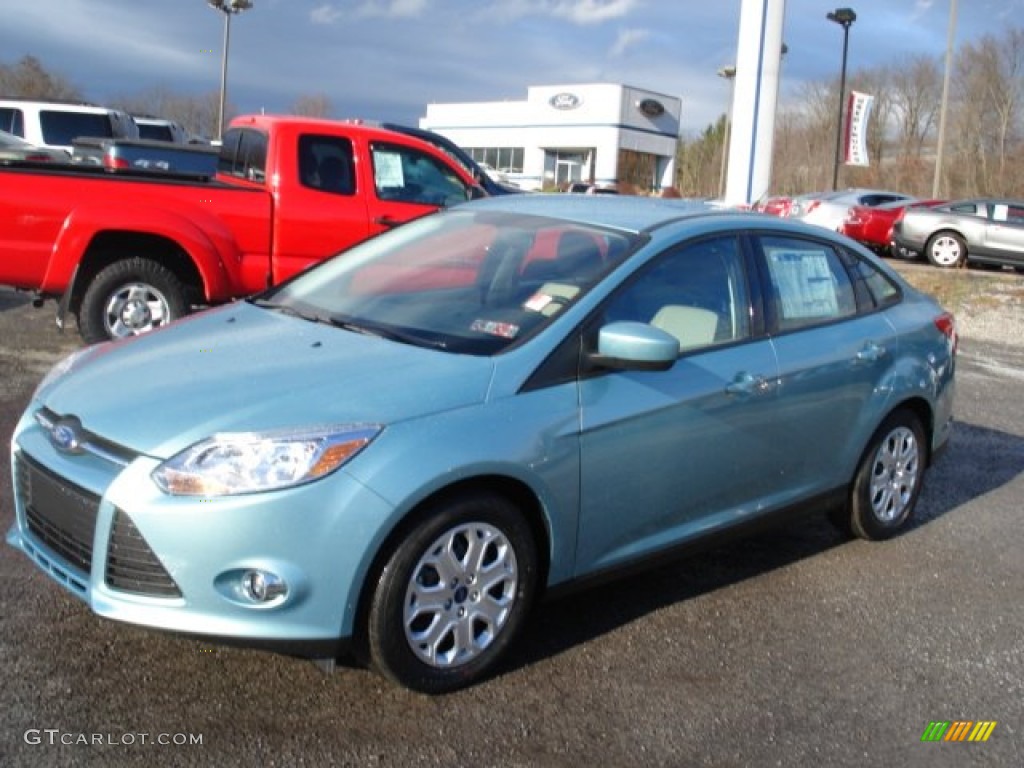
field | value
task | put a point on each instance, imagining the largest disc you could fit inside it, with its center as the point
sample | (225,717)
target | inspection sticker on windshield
(537,302)
(495,328)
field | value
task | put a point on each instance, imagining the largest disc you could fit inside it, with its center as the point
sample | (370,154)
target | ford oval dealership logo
(565,100)
(66,436)
(651,107)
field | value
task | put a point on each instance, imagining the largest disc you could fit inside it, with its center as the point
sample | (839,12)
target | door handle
(870,353)
(747,384)
(387,221)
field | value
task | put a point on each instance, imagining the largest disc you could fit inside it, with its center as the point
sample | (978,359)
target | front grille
(132,566)
(60,515)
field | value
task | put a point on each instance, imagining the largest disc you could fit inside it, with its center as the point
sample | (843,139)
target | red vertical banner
(858,107)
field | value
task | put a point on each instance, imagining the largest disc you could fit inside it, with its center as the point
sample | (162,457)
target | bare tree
(28,79)
(313,105)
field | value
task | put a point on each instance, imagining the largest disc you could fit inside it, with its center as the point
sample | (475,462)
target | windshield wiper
(288,309)
(384,332)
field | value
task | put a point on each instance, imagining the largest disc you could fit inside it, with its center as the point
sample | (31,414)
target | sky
(387,59)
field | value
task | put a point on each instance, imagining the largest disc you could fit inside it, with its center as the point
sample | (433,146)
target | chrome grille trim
(91,442)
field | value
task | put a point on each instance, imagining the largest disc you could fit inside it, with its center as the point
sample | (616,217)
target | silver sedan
(989,231)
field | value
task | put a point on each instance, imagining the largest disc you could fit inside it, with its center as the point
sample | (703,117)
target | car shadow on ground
(977,461)
(11,299)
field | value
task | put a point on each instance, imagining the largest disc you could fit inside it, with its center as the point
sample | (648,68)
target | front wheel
(889,478)
(946,249)
(453,594)
(130,297)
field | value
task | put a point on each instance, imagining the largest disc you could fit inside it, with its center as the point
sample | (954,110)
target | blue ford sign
(66,436)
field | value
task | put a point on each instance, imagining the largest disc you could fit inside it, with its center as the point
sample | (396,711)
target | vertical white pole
(758,61)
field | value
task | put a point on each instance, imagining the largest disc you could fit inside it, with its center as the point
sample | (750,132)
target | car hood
(241,369)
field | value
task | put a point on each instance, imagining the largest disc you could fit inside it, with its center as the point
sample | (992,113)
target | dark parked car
(987,231)
(400,450)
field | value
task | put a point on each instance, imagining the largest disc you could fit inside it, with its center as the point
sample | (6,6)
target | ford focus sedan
(398,452)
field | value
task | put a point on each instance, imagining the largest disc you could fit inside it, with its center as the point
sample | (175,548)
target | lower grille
(132,566)
(60,515)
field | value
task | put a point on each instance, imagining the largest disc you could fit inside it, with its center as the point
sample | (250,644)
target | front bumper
(105,532)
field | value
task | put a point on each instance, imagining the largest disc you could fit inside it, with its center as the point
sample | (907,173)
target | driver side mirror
(632,346)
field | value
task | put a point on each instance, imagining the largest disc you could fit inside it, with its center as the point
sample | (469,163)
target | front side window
(697,292)
(809,285)
(407,175)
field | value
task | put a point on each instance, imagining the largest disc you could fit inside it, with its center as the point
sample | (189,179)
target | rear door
(833,347)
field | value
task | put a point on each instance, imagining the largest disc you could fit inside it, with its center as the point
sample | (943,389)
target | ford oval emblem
(565,100)
(66,436)
(651,107)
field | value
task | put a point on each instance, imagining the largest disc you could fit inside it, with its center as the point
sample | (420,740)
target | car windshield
(473,282)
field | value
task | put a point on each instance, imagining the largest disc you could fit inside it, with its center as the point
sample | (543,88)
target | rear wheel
(946,249)
(453,594)
(889,478)
(130,297)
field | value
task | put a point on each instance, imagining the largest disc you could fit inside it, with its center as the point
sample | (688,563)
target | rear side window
(243,153)
(809,284)
(155,132)
(871,286)
(325,163)
(12,120)
(60,127)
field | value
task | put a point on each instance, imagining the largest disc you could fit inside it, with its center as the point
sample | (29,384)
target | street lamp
(228,8)
(729,73)
(843,17)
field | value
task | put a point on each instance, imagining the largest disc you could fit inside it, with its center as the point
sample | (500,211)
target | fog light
(262,586)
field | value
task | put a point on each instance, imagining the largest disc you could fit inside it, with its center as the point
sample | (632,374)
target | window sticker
(387,168)
(495,328)
(538,301)
(805,283)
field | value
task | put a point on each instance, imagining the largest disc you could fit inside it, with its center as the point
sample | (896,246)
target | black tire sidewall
(863,521)
(111,278)
(388,648)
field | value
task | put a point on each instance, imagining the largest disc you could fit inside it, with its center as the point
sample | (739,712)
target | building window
(638,169)
(504,159)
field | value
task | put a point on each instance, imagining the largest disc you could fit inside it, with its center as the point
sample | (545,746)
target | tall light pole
(844,17)
(228,8)
(940,145)
(729,73)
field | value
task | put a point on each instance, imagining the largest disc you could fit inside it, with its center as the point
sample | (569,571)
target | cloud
(579,12)
(324,14)
(627,39)
(393,9)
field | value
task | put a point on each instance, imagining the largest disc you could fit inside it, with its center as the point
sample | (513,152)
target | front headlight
(229,464)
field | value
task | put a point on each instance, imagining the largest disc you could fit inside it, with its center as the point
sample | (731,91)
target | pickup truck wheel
(130,297)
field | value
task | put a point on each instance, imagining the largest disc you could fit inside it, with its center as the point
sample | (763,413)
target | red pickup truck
(130,252)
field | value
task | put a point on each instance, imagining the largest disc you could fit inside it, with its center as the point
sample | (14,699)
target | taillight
(946,323)
(39,158)
(812,205)
(115,163)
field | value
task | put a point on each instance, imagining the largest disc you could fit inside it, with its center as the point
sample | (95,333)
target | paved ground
(798,648)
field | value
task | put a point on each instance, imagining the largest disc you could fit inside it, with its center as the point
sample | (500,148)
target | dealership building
(601,133)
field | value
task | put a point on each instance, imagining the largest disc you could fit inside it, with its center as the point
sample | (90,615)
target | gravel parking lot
(795,648)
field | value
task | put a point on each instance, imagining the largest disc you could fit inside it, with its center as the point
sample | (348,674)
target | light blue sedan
(398,452)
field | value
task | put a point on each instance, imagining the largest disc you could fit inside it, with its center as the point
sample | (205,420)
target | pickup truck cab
(131,251)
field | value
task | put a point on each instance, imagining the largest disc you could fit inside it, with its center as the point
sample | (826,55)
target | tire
(946,250)
(436,623)
(889,478)
(130,297)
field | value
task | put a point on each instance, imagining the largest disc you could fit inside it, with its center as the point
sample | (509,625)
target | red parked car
(872,225)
